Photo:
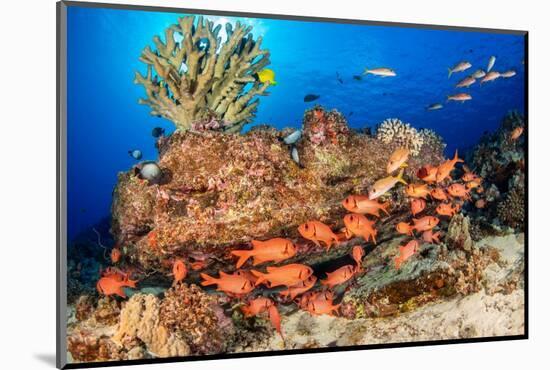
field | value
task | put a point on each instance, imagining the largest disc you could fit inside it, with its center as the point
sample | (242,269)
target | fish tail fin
(456,159)
(400,177)
(259,275)
(366,72)
(208,280)
(450,72)
(243,255)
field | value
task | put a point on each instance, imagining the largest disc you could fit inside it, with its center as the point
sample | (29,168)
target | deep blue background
(105,121)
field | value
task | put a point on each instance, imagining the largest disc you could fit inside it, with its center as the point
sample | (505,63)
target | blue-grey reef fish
(293,137)
(311,97)
(157,132)
(435,106)
(136,154)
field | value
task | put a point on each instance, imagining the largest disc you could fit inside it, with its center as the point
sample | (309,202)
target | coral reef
(500,160)
(222,190)
(197,76)
(393,130)
(196,317)
(140,323)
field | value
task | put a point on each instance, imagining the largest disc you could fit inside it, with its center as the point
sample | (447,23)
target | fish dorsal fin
(257,244)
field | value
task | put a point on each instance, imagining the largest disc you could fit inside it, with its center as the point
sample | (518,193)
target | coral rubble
(193,75)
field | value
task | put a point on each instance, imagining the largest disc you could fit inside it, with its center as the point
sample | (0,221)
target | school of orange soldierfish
(298,280)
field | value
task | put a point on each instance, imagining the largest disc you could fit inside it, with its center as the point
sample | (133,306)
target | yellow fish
(267,76)
(384,185)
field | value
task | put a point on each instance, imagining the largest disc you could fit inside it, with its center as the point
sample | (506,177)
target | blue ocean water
(105,121)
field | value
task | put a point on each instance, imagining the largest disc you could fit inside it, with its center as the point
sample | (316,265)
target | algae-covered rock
(219,191)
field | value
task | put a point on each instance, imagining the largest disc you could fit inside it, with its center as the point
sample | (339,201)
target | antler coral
(193,79)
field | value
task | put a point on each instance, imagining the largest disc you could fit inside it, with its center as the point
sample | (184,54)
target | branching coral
(393,130)
(201,76)
(195,316)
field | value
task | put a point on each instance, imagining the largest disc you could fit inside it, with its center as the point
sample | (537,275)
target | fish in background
(266,76)
(136,154)
(491,76)
(434,106)
(467,82)
(293,138)
(508,74)
(357,77)
(462,97)
(338,78)
(157,132)
(460,67)
(311,97)
(491,63)
(382,72)
(294,155)
(480,73)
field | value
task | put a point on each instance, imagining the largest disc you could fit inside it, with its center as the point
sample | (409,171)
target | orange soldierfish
(363,205)
(236,284)
(444,170)
(468,175)
(404,228)
(516,133)
(417,206)
(447,209)
(299,288)
(417,190)
(357,254)
(458,191)
(179,270)
(425,223)
(430,237)
(288,275)
(115,255)
(317,231)
(427,173)
(406,252)
(321,305)
(114,283)
(439,194)
(256,306)
(273,250)
(397,160)
(361,226)
(275,319)
(339,276)
(384,185)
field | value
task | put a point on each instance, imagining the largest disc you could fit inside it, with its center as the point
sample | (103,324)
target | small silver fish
(294,155)
(480,73)
(508,74)
(293,137)
(435,106)
(491,63)
(136,154)
(382,72)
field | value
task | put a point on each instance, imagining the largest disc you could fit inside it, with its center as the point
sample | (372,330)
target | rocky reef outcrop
(219,191)
(500,159)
